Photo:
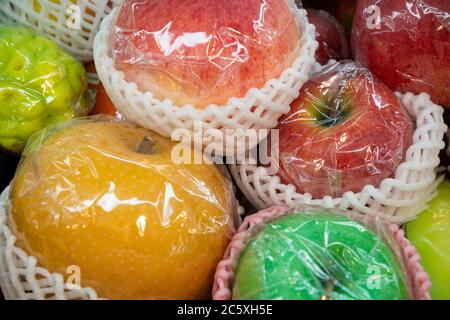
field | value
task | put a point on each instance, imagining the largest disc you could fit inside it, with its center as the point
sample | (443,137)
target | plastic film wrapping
(39,85)
(406,44)
(104,197)
(310,253)
(206,53)
(346,130)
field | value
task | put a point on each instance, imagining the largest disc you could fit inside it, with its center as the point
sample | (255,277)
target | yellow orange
(137,225)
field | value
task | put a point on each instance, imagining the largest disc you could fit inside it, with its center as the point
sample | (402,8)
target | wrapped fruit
(207,52)
(346,130)
(70,23)
(106,197)
(221,64)
(406,43)
(311,253)
(39,84)
(429,233)
(330,35)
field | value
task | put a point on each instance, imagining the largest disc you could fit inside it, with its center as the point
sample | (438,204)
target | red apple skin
(411,50)
(365,147)
(330,35)
(201,52)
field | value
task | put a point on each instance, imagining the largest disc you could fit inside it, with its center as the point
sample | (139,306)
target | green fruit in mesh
(39,84)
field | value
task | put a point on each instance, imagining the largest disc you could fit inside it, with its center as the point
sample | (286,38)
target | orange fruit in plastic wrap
(102,197)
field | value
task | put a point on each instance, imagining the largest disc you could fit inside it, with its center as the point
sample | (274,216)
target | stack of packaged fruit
(133,165)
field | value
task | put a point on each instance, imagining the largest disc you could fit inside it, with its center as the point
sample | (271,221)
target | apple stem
(146,146)
(328,290)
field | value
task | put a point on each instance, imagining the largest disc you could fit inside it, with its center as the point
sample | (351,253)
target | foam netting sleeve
(397,199)
(21,278)
(225,272)
(260,108)
(60,21)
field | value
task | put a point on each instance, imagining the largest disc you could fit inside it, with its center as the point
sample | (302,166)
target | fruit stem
(146,146)
(328,291)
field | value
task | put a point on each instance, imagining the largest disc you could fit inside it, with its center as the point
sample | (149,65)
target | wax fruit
(409,49)
(330,35)
(208,52)
(39,84)
(100,100)
(315,255)
(429,234)
(107,198)
(345,130)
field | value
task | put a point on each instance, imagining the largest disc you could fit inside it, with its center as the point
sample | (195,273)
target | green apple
(430,233)
(318,255)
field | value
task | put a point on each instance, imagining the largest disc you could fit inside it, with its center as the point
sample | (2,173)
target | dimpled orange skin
(137,225)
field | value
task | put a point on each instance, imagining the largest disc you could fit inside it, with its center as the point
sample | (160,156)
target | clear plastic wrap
(104,198)
(39,84)
(310,253)
(345,131)
(204,52)
(330,35)
(406,44)
(430,234)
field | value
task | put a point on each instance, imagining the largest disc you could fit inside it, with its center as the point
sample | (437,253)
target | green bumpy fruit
(430,234)
(314,256)
(40,84)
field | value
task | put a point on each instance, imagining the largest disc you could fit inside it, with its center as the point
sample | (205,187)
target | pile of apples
(112,194)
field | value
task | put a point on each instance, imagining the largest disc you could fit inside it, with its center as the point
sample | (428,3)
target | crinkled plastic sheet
(204,52)
(104,196)
(39,84)
(346,130)
(317,254)
(408,46)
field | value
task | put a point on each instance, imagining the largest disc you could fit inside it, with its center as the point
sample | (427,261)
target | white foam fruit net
(260,108)
(72,24)
(397,199)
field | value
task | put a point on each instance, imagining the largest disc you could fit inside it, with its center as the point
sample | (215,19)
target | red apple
(409,50)
(203,52)
(330,35)
(346,130)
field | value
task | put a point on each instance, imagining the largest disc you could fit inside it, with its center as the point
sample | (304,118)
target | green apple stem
(146,146)
(328,290)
